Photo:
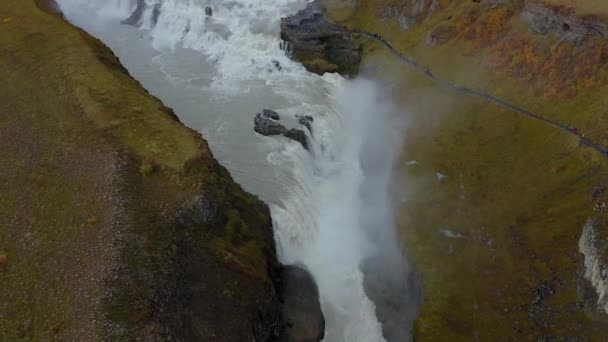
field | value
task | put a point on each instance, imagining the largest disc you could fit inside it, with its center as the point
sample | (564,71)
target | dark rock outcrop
(135,17)
(305,120)
(319,44)
(297,135)
(271,114)
(396,291)
(264,124)
(301,307)
(563,22)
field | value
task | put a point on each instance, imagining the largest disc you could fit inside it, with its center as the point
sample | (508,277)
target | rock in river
(265,124)
(305,120)
(301,307)
(297,135)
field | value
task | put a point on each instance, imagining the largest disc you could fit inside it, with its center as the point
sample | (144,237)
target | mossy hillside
(95,173)
(516,191)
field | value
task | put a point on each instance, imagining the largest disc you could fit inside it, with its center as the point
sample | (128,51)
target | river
(330,206)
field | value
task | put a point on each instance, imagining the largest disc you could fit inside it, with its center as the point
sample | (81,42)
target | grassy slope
(76,132)
(516,189)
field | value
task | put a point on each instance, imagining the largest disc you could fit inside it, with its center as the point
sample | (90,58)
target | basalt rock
(271,114)
(396,291)
(301,307)
(563,22)
(264,124)
(297,135)
(305,120)
(319,44)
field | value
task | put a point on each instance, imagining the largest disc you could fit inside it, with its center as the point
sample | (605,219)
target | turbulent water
(330,206)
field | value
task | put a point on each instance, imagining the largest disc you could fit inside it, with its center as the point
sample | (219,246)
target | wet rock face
(297,135)
(301,307)
(265,124)
(397,293)
(306,121)
(544,19)
(320,45)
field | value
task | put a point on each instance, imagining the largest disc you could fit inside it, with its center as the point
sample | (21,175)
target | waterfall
(330,206)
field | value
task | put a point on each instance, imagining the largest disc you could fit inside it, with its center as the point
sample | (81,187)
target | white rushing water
(217,72)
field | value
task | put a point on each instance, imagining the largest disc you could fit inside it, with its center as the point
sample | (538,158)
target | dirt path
(468,91)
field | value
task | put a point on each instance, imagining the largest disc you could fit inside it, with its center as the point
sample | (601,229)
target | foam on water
(317,216)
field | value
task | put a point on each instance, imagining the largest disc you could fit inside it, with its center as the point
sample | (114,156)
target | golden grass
(517,190)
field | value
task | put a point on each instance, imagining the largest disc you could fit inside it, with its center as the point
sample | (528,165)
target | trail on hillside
(468,91)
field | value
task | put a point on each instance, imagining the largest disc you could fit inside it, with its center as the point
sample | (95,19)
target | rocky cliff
(319,44)
(118,223)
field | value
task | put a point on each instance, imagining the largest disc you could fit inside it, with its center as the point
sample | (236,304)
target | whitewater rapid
(217,72)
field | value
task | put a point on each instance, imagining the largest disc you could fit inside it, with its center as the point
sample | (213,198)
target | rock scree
(321,46)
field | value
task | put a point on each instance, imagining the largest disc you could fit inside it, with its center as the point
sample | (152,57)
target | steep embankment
(117,222)
(496,201)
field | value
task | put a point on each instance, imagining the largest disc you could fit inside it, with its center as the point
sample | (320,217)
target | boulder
(266,126)
(271,114)
(297,135)
(320,45)
(208,11)
(305,120)
(302,314)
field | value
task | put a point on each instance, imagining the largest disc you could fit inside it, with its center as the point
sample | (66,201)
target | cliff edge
(117,222)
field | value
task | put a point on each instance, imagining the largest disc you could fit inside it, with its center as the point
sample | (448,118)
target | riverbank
(492,203)
(119,223)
